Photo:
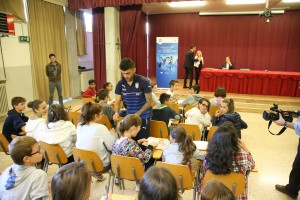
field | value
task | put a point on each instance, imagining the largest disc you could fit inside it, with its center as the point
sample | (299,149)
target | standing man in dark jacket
(53,71)
(189,66)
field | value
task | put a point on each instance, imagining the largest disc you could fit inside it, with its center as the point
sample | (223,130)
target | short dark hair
(220,92)
(207,101)
(21,147)
(72,181)
(16,100)
(192,46)
(158,183)
(51,54)
(172,82)
(196,88)
(126,63)
(164,97)
(102,94)
(91,81)
(56,112)
(106,84)
(216,190)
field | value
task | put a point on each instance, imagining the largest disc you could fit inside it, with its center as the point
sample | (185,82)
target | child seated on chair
(173,88)
(23,180)
(93,136)
(163,112)
(194,97)
(16,119)
(90,92)
(155,100)
(60,130)
(226,113)
(72,181)
(36,123)
(199,115)
(181,149)
(220,94)
(233,154)
(106,109)
(126,146)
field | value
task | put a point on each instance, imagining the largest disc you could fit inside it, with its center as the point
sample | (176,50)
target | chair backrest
(212,111)
(74,117)
(211,132)
(105,121)
(53,153)
(188,107)
(192,130)
(181,173)
(85,100)
(158,129)
(234,181)
(4,144)
(130,168)
(174,106)
(91,159)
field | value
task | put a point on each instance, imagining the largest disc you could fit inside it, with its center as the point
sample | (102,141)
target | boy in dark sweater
(163,112)
(16,120)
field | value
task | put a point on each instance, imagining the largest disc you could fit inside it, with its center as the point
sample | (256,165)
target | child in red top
(91,90)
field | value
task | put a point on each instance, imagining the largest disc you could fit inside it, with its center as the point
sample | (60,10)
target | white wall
(17,64)
(87,60)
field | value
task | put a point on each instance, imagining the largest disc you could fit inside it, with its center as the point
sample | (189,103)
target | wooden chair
(175,107)
(53,154)
(192,130)
(188,107)
(74,117)
(158,129)
(105,121)
(212,111)
(85,100)
(234,181)
(129,168)
(184,178)
(4,144)
(211,132)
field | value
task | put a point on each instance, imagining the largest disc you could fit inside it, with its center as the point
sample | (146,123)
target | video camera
(273,115)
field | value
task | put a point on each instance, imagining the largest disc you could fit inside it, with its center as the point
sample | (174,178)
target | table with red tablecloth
(251,82)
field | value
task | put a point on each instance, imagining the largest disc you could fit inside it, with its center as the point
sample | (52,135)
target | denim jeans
(52,86)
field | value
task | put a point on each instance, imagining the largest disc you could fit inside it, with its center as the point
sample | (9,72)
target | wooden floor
(246,102)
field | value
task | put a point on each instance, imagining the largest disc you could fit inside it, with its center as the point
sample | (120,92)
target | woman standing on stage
(198,66)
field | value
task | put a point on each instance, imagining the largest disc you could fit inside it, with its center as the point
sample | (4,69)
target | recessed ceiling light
(186,3)
(237,2)
(291,1)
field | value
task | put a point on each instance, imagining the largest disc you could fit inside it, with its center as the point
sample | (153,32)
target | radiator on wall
(3,100)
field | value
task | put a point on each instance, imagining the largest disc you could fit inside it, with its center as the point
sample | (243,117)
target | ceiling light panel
(187,3)
(239,2)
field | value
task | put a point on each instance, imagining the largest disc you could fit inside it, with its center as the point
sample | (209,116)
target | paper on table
(201,145)
(163,142)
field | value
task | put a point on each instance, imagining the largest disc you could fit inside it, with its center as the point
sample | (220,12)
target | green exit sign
(24,38)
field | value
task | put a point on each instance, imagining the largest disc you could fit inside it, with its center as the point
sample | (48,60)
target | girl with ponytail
(182,149)
(36,123)
(226,113)
(93,136)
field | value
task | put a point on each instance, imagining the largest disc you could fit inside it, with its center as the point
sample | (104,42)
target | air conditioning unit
(7,25)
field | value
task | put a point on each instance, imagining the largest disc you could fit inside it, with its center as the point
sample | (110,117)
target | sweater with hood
(30,183)
(194,116)
(62,133)
(34,127)
(13,124)
(164,113)
(192,99)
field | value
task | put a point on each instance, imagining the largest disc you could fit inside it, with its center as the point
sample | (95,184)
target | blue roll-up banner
(166,60)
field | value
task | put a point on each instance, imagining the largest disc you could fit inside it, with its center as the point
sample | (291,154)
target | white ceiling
(216,6)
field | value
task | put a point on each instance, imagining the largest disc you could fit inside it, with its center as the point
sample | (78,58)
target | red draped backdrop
(247,39)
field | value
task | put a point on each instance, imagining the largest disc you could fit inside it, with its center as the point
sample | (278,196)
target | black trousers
(188,73)
(197,74)
(294,180)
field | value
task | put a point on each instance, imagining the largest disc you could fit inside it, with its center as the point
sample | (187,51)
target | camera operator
(292,188)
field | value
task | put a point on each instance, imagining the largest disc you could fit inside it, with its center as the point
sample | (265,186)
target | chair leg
(118,175)
(113,183)
(181,184)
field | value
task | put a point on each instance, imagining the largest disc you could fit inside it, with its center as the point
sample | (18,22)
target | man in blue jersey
(136,92)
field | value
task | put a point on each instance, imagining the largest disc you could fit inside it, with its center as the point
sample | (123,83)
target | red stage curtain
(99,47)
(133,36)
(247,39)
(85,4)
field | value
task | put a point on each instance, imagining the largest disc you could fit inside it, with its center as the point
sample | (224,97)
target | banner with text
(166,60)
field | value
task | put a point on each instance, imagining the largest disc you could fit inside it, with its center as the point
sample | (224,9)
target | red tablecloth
(251,82)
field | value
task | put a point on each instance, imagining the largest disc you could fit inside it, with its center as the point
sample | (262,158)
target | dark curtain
(99,47)
(249,41)
(85,4)
(133,36)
